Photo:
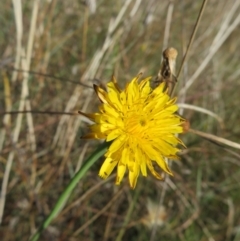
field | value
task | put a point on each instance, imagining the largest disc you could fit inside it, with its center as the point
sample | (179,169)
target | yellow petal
(113,134)
(102,94)
(133,175)
(162,163)
(144,168)
(155,174)
(120,173)
(132,91)
(117,144)
(114,95)
(123,99)
(125,155)
(161,146)
(102,128)
(107,168)
(144,86)
(109,110)
(116,84)
(141,160)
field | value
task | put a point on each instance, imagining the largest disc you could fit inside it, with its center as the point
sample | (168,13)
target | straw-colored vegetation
(52,52)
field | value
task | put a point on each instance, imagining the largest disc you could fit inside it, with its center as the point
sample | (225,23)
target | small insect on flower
(142,125)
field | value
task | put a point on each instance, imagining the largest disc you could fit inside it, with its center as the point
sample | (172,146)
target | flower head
(141,123)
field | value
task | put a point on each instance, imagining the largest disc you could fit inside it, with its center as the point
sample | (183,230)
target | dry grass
(64,47)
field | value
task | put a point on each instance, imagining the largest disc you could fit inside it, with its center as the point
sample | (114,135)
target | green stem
(68,190)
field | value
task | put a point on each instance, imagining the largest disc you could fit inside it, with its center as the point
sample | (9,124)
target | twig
(192,36)
(17,7)
(202,110)
(8,106)
(214,138)
(50,76)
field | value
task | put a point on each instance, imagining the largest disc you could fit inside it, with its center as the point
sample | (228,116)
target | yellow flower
(141,123)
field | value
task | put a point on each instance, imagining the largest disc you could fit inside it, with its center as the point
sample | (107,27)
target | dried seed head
(156,215)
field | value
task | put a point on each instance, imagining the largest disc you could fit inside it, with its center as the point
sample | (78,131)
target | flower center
(135,123)
(142,122)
